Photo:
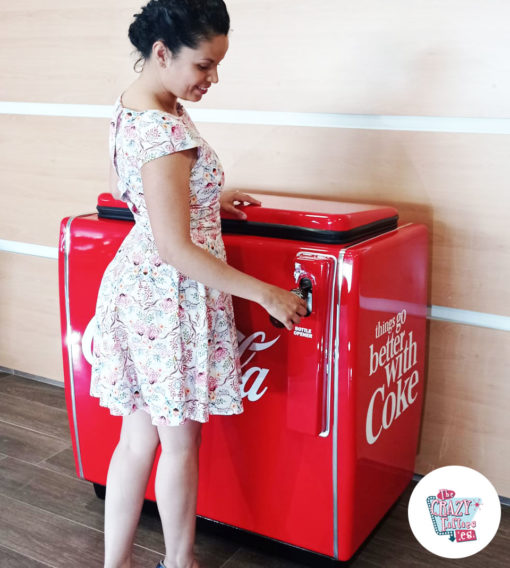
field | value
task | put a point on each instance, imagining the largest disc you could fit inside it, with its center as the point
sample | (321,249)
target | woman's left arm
(230,196)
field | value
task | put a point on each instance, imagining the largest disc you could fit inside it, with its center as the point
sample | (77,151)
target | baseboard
(32,377)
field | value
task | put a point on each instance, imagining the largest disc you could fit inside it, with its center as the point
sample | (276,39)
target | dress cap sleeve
(161,135)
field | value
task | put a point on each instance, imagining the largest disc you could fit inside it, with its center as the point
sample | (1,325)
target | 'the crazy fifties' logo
(454,511)
(453,516)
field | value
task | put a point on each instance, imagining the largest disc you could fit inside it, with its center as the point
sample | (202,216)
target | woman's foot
(194,565)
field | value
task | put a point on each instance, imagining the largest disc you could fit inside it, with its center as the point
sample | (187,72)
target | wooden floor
(48,517)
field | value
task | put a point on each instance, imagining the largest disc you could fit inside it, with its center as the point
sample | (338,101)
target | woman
(165,349)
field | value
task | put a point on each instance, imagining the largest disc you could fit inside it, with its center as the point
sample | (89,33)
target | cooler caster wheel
(100,490)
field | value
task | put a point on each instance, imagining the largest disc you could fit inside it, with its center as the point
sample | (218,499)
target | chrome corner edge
(336,365)
(67,248)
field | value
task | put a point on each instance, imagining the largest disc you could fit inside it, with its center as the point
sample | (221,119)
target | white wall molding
(439,313)
(28,248)
(480,319)
(56,109)
(276,118)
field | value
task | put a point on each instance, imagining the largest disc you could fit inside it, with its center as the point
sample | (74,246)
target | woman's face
(189,74)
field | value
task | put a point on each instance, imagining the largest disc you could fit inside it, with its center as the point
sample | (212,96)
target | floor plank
(27,445)
(35,416)
(54,540)
(36,391)
(11,559)
(62,462)
(70,499)
(213,552)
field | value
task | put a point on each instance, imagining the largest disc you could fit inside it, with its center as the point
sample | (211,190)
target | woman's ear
(161,53)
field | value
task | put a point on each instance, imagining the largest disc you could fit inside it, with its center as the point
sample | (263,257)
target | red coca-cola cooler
(328,437)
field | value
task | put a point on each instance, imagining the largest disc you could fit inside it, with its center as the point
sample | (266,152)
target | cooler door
(269,470)
(382,354)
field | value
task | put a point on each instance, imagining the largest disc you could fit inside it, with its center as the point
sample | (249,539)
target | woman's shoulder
(150,127)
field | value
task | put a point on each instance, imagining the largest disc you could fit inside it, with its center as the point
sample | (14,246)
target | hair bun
(139,32)
(177,23)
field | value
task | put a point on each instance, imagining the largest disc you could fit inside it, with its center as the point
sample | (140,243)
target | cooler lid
(294,218)
(312,220)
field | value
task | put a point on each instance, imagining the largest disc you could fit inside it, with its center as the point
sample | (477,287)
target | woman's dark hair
(177,23)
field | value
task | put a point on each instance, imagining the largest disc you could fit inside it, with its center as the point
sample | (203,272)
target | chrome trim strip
(326,431)
(336,363)
(67,247)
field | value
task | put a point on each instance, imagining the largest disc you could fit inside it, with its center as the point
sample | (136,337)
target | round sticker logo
(454,511)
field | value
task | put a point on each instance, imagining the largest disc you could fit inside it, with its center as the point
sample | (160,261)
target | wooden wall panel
(466,419)
(400,57)
(51,167)
(29,315)
(65,52)
(454,183)
(447,58)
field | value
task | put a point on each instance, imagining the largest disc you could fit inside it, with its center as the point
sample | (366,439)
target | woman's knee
(138,433)
(184,438)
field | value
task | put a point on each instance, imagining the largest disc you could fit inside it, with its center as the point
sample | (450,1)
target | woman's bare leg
(128,474)
(176,491)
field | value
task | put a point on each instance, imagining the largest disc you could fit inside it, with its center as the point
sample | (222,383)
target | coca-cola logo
(254,378)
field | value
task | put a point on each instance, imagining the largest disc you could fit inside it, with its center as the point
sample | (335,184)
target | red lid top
(107,200)
(298,218)
(317,214)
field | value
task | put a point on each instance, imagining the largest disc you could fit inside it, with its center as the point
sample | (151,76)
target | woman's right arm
(113,181)
(166,190)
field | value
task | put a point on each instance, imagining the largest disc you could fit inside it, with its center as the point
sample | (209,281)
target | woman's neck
(147,92)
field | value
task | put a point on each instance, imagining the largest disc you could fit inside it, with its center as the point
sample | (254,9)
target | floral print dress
(163,342)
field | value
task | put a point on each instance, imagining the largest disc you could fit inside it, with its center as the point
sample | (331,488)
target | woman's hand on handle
(283,305)
(228,199)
